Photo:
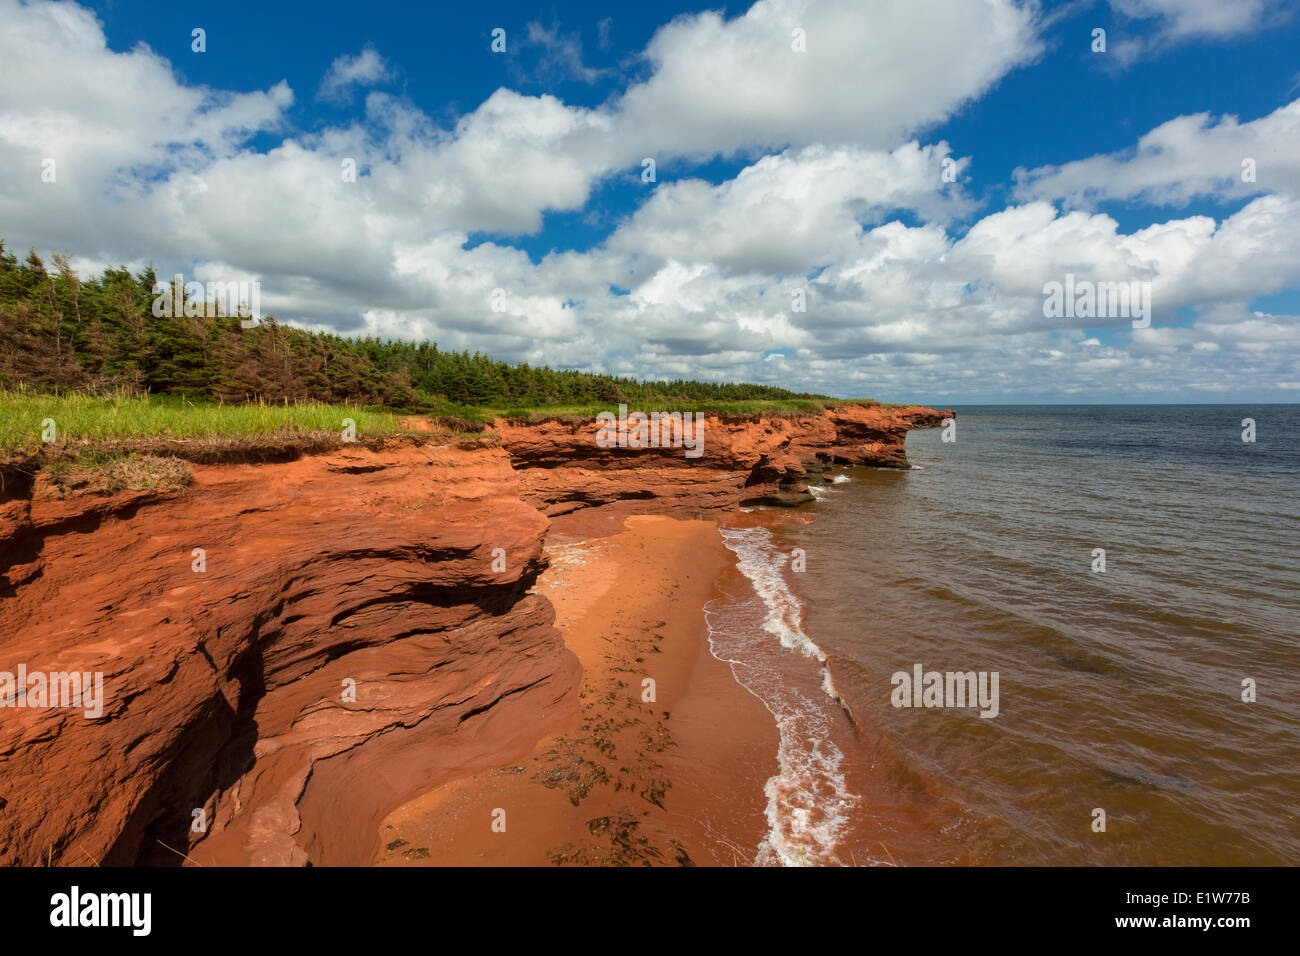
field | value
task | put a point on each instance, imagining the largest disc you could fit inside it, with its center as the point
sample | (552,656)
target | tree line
(59,331)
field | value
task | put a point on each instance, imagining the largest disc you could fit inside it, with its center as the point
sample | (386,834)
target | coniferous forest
(61,332)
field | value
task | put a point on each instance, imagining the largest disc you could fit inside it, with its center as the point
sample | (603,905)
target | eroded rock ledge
(746,460)
(405,568)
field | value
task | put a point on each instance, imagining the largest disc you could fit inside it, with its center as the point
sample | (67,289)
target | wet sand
(677,780)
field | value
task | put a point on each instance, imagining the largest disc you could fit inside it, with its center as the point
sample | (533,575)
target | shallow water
(1118,690)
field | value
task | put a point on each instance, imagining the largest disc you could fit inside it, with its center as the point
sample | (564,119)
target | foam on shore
(808,798)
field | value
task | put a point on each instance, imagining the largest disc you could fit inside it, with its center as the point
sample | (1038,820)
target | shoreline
(674,781)
(370,626)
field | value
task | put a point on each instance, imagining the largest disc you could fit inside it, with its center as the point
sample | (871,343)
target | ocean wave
(833,692)
(808,798)
(761,562)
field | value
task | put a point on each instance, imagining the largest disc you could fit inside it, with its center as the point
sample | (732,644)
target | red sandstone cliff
(746,460)
(379,565)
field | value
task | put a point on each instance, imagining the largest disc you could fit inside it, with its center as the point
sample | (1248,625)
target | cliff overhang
(292,646)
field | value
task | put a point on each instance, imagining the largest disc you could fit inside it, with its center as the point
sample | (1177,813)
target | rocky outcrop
(356,627)
(745,460)
(291,649)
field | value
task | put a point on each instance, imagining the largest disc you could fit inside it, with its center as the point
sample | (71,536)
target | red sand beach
(676,781)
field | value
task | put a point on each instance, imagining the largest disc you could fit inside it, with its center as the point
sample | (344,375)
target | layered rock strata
(289,650)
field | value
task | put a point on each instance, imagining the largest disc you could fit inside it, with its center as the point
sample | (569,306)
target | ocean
(1121,736)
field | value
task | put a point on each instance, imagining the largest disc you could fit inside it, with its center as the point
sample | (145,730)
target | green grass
(84,418)
(773,407)
(483,414)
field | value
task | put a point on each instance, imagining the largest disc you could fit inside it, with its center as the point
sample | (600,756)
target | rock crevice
(360,627)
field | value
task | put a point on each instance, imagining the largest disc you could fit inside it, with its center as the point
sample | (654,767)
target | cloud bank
(844,202)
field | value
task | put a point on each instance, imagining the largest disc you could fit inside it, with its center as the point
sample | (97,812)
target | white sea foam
(828,685)
(761,562)
(818,493)
(808,798)
(840,479)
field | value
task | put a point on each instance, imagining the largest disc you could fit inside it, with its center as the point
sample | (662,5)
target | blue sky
(777,170)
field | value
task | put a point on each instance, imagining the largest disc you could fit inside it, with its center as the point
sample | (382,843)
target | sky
(861,198)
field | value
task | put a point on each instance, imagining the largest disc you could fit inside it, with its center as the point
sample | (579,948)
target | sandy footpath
(675,781)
